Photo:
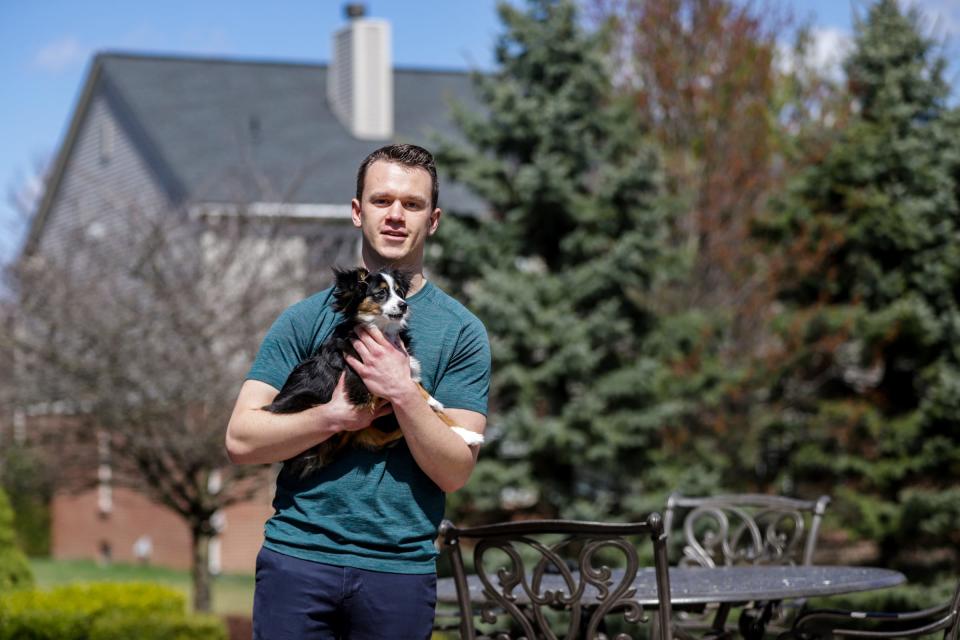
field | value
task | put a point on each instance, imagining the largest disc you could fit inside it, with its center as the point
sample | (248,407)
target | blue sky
(45,49)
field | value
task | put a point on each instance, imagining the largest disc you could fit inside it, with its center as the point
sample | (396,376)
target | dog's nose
(403,306)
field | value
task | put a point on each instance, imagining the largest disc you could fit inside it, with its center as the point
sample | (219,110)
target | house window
(107,135)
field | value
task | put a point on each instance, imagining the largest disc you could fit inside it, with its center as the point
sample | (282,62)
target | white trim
(308,211)
(104,475)
(215,548)
(104,490)
(19,426)
(52,408)
(214,556)
(218,521)
(215,482)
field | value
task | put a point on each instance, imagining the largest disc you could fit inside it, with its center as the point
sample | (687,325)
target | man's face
(394,213)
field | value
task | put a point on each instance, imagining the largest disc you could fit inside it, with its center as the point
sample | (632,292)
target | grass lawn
(231,593)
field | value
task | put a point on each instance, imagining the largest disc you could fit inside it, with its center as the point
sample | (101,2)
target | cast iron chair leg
(753,623)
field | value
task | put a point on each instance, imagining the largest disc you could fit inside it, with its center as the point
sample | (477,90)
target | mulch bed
(239,627)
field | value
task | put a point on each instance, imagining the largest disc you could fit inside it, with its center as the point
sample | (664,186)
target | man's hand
(344,416)
(385,367)
(257,436)
(438,451)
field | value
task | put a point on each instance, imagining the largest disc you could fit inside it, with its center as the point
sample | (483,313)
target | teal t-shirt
(373,509)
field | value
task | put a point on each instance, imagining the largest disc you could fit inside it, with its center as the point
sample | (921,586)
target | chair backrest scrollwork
(531,570)
(742,529)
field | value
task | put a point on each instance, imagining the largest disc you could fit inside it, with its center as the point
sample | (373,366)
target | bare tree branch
(143,332)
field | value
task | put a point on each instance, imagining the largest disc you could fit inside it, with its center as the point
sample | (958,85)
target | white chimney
(360,78)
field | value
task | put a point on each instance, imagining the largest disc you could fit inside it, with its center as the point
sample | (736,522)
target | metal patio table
(692,587)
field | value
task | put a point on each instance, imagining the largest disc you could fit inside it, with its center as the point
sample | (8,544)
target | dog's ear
(402,279)
(350,288)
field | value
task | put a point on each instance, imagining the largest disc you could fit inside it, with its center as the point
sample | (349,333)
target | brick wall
(243,534)
(80,531)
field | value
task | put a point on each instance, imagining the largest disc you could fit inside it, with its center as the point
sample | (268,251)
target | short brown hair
(409,155)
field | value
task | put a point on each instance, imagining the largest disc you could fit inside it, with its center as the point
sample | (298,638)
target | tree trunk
(200,569)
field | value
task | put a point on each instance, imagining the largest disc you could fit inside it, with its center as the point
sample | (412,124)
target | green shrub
(158,627)
(27,482)
(69,612)
(32,527)
(6,520)
(14,569)
(41,624)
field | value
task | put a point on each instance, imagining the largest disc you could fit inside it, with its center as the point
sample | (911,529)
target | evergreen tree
(865,400)
(561,273)
(14,570)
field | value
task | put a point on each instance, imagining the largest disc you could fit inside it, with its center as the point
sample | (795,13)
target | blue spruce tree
(865,398)
(561,273)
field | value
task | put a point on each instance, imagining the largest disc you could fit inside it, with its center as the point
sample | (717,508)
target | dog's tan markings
(368,306)
(447,420)
(373,438)
(373,404)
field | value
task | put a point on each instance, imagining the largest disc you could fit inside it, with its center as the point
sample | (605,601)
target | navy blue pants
(302,600)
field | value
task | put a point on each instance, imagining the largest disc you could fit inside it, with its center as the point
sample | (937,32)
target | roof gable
(235,131)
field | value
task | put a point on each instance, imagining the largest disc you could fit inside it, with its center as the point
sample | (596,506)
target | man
(349,551)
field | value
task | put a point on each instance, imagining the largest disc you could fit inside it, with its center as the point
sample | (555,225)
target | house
(225,137)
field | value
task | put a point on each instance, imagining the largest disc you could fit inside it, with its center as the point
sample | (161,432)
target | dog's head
(373,298)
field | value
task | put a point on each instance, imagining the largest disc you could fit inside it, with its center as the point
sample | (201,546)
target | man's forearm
(440,453)
(256,436)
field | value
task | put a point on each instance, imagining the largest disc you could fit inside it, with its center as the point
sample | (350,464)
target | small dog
(365,299)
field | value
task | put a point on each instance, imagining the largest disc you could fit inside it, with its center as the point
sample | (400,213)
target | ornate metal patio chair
(830,623)
(748,528)
(555,578)
(741,529)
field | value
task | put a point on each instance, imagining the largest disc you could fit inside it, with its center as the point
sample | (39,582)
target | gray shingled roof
(217,124)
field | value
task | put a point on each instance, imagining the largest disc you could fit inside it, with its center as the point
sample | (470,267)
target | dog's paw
(435,404)
(470,437)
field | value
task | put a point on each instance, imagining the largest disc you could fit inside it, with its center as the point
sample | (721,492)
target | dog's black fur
(312,382)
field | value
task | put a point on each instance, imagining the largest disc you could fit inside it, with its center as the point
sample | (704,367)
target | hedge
(159,627)
(103,611)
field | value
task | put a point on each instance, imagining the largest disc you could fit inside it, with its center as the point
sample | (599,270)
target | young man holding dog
(349,551)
